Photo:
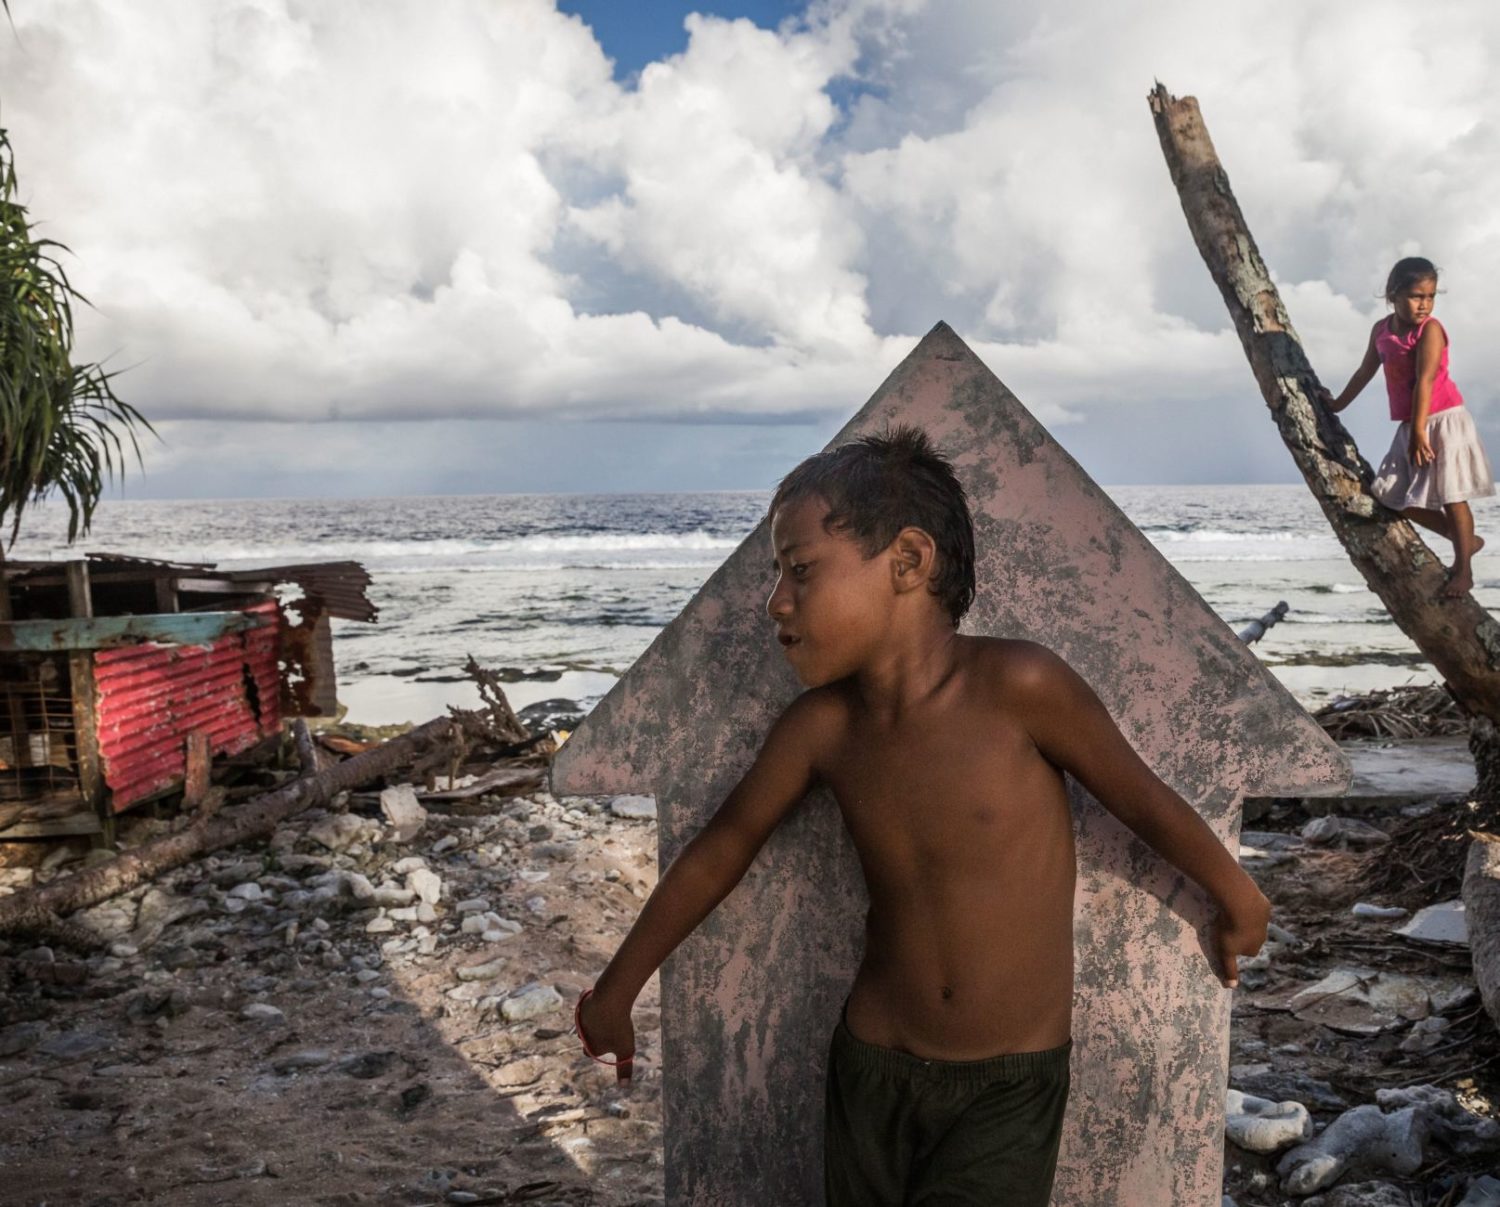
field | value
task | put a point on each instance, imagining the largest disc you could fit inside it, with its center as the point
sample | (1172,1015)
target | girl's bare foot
(1460,583)
(1478,543)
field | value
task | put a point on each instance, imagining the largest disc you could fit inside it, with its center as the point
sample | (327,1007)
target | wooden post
(198,761)
(85,705)
(166,595)
(20,741)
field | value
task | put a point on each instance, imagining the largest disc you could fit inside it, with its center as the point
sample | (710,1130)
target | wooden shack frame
(122,678)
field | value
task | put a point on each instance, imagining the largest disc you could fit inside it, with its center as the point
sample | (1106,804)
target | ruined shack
(122,678)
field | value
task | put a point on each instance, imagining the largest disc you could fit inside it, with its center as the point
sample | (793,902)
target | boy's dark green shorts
(900,1130)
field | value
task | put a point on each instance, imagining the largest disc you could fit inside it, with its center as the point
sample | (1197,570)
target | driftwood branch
(1457,635)
(1257,629)
(40,909)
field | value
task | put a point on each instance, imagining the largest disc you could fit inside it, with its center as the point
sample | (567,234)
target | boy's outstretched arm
(707,868)
(1075,732)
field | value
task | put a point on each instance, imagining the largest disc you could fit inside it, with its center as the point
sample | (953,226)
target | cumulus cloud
(290,211)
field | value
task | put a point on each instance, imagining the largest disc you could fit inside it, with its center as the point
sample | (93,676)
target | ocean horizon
(561,592)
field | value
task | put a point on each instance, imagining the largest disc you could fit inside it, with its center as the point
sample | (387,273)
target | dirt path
(292,1040)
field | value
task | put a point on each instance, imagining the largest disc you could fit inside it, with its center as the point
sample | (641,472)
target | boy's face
(831,604)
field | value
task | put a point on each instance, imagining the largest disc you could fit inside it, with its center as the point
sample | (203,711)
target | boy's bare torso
(965,837)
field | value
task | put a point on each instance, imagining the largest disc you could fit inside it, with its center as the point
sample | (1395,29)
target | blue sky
(636,34)
(476,247)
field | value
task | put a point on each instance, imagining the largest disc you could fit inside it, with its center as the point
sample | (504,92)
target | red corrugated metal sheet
(150,697)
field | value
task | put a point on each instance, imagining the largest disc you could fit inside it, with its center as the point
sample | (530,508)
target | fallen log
(40,909)
(509,781)
(1482,912)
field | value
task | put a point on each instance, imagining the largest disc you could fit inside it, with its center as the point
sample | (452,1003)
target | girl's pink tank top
(1398,356)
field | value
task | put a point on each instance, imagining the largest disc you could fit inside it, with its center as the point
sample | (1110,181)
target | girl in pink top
(1436,462)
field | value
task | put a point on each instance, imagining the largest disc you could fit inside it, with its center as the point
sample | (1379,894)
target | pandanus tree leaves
(62,427)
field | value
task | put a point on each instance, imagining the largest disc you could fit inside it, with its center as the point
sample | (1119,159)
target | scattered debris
(1262,1126)
(1400,712)
(1441,923)
(1343,832)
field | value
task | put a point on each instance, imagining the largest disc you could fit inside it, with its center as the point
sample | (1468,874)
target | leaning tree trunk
(40,909)
(1458,636)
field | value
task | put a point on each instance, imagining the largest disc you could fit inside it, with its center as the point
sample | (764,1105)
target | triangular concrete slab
(749,1001)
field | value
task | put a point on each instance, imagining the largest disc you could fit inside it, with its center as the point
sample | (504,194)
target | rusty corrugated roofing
(338,586)
(150,697)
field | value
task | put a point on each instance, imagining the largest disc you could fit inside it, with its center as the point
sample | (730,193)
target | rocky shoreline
(374,1007)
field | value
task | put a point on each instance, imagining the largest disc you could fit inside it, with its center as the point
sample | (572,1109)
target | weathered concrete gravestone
(749,1002)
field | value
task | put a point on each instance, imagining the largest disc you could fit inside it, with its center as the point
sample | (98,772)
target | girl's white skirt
(1459,470)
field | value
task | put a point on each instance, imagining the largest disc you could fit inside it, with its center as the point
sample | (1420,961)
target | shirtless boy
(948,1075)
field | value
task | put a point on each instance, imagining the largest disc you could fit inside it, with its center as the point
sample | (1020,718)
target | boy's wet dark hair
(876,486)
(1407,273)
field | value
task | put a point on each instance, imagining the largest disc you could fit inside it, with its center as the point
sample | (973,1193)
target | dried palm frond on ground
(1424,861)
(1400,712)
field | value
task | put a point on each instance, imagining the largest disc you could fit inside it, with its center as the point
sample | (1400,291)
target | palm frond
(62,426)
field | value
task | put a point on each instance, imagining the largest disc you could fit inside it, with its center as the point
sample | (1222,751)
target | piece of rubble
(158,910)
(530,1001)
(380,924)
(74,1045)
(262,1012)
(1343,832)
(1364,1001)
(1442,923)
(340,831)
(1447,1119)
(409,864)
(1364,1138)
(634,806)
(487,971)
(427,885)
(1484,1191)
(1266,1081)
(1260,1126)
(402,810)
(473,905)
(306,1058)
(16,1038)
(1425,1034)
(1378,913)
(1363,1194)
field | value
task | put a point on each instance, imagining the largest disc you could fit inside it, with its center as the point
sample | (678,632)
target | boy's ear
(913,558)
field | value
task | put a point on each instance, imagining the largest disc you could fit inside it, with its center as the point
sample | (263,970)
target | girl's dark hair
(876,486)
(1407,273)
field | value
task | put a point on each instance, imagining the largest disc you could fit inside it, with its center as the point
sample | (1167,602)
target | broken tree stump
(1458,636)
(1482,911)
(41,908)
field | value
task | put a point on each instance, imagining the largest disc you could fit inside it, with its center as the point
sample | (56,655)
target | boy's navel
(947,992)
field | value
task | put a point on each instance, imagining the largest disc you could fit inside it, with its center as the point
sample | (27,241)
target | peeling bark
(1458,636)
(39,910)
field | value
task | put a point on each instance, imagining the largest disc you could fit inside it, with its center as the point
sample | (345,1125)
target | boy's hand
(1241,931)
(604,1031)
